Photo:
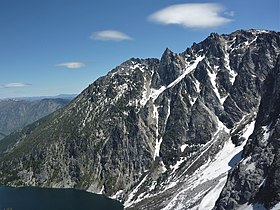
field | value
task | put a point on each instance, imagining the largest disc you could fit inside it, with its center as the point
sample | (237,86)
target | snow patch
(94,187)
(183,147)
(102,190)
(266,133)
(249,130)
(276,207)
(246,160)
(151,94)
(88,112)
(213,77)
(232,73)
(127,68)
(187,71)
(251,166)
(209,200)
(117,195)
(247,43)
(221,126)
(137,65)
(211,170)
(262,183)
(164,169)
(221,164)
(158,141)
(145,95)
(198,89)
(153,186)
(121,90)
(157,148)
(177,165)
(259,31)
(154,93)
(192,101)
(197,85)
(131,195)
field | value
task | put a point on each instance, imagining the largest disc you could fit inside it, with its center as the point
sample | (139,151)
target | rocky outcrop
(256,178)
(152,133)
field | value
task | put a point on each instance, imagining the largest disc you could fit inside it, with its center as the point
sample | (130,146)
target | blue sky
(61,46)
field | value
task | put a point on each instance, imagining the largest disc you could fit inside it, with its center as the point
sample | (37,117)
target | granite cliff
(163,133)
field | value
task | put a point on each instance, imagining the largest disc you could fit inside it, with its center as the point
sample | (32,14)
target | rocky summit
(195,130)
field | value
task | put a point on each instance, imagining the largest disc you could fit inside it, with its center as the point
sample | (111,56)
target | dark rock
(150,124)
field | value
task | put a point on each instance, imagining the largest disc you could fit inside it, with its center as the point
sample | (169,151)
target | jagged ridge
(255,180)
(142,131)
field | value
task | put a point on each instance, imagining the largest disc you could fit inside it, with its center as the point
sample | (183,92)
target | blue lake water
(32,198)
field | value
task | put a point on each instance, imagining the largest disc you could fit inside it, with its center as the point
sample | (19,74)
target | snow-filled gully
(154,93)
(210,171)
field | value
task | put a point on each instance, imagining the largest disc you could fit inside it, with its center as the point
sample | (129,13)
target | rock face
(256,179)
(16,114)
(155,133)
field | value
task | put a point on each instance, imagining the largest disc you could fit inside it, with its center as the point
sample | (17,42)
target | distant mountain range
(34,98)
(17,113)
(196,130)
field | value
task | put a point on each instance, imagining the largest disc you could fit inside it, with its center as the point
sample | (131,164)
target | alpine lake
(33,198)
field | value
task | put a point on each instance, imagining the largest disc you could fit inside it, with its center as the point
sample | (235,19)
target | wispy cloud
(229,13)
(15,85)
(71,65)
(110,35)
(196,15)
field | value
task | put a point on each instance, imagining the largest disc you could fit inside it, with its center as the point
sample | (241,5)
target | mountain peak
(144,132)
(167,51)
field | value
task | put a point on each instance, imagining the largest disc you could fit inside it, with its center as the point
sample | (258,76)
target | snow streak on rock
(232,73)
(158,133)
(189,68)
(208,173)
(208,201)
(158,140)
(129,200)
(213,77)
(154,93)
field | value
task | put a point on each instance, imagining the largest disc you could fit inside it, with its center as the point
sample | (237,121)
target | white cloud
(196,15)
(110,35)
(71,65)
(229,13)
(15,85)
